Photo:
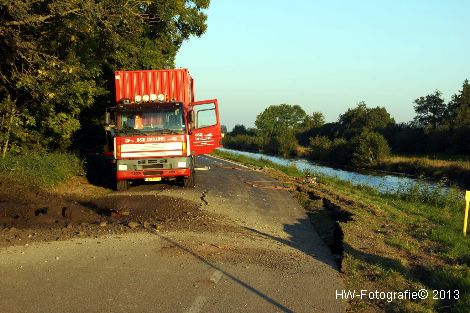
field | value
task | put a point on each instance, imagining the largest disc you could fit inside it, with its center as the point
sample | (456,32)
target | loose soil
(79,209)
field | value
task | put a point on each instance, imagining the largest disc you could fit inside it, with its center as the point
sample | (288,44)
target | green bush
(282,142)
(287,143)
(271,145)
(320,148)
(44,170)
(324,149)
(369,149)
(243,142)
(340,151)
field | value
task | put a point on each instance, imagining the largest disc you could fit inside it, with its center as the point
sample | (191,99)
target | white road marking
(216,276)
(228,161)
(197,305)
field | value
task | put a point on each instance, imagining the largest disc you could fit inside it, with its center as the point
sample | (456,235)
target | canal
(377,180)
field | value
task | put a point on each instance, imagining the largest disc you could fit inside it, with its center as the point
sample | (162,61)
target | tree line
(362,136)
(57,60)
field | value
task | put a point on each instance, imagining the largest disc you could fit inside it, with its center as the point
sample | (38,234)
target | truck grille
(152,166)
(156,161)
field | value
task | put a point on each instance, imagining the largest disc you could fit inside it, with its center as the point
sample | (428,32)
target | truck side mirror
(191,119)
(192,116)
(107,118)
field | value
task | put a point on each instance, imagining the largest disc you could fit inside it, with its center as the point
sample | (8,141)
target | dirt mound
(22,209)
(28,215)
(138,207)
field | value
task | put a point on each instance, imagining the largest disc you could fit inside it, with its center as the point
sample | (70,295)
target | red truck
(157,129)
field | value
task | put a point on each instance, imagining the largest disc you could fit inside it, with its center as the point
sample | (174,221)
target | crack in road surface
(203,197)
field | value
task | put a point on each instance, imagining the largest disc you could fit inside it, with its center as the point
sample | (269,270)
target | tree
(223,129)
(315,120)
(369,148)
(287,143)
(430,110)
(279,117)
(320,148)
(57,59)
(361,118)
(242,142)
(238,130)
(281,142)
(459,108)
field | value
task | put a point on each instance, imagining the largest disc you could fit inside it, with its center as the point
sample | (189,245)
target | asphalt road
(262,255)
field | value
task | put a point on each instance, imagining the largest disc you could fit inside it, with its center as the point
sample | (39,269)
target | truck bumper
(142,174)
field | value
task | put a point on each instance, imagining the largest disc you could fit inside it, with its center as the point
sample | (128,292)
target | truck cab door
(205,133)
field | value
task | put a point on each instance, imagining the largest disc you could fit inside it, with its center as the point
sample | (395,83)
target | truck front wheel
(122,185)
(190,182)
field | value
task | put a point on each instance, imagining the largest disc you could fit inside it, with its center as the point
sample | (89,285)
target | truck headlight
(122,167)
(181,164)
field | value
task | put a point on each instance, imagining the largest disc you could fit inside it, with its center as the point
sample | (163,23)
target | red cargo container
(176,84)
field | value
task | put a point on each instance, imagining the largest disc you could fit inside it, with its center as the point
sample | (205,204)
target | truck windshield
(160,120)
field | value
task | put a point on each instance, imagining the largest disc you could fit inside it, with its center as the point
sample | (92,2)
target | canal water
(381,182)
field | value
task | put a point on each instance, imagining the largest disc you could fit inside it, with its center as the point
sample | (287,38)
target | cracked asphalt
(257,253)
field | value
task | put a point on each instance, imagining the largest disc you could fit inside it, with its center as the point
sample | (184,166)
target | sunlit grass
(45,170)
(462,161)
(457,169)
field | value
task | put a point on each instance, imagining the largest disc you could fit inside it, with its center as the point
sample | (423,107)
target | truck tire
(122,185)
(190,182)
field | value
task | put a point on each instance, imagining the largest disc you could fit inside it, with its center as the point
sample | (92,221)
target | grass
(44,171)
(400,243)
(454,169)
(408,239)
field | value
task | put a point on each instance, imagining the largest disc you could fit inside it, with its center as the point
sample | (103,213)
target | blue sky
(328,55)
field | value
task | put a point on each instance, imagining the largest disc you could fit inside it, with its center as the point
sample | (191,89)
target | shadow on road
(301,238)
(260,294)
